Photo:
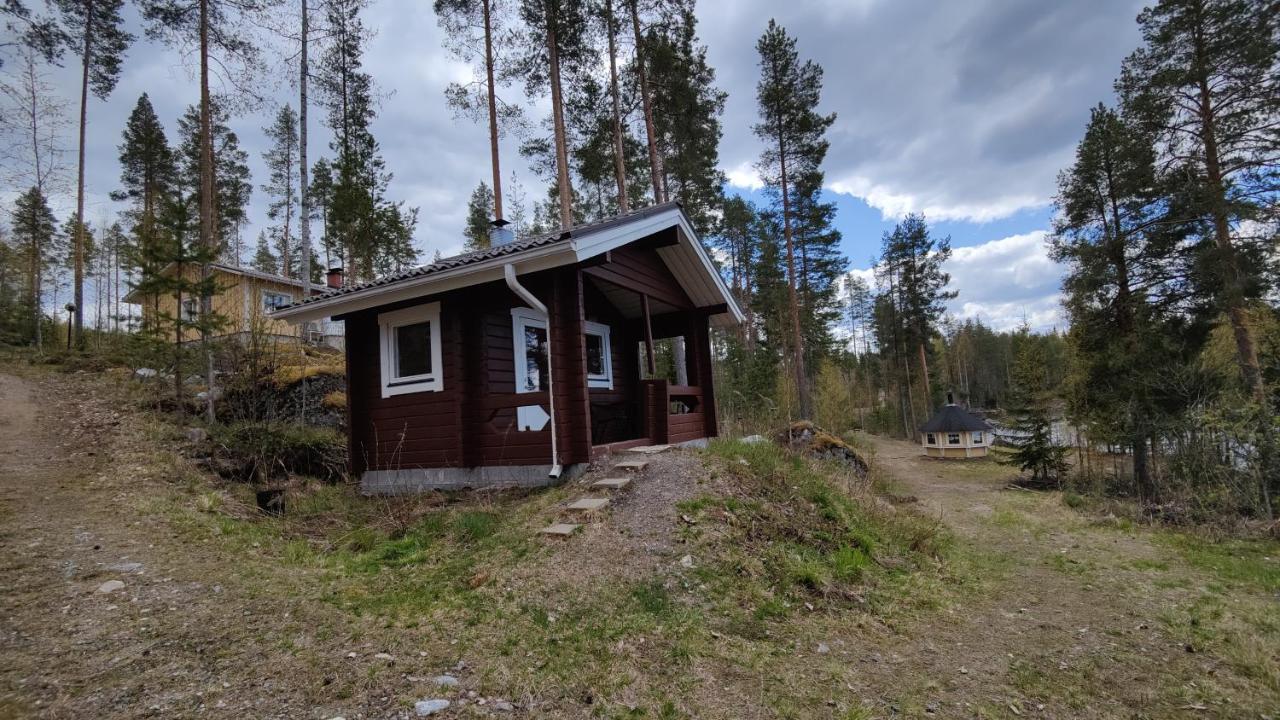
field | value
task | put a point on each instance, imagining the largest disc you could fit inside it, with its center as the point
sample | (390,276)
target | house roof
(953,418)
(130,297)
(688,261)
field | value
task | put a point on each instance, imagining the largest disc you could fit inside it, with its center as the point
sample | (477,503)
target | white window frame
(287,296)
(955,441)
(189,310)
(604,380)
(930,439)
(388,322)
(521,318)
(976,437)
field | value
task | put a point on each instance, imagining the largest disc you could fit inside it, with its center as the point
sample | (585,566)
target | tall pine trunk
(493,109)
(79,240)
(206,211)
(655,161)
(557,113)
(797,337)
(304,193)
(619,162)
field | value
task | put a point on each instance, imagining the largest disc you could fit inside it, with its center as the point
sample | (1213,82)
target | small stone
(144,373)
(823,648)
(351,655)
(110,586)
(384,656)
(424,708)
(753,439)
(125,567)
(686,561)
(197,435)
(445,681)
(503,706)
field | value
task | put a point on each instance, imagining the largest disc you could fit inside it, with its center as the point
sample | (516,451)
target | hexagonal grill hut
(954,432)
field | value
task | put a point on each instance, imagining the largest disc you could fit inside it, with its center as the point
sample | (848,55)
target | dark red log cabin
(458,372)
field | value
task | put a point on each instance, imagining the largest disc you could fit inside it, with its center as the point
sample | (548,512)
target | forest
(1163,386)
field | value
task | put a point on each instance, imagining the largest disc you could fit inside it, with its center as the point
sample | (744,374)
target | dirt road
(1084,617)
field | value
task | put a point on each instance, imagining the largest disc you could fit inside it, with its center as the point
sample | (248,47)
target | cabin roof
(953,418)
(688,260)
(132,295)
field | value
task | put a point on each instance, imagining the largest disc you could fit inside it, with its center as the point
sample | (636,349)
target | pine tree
(479,210)
(263,259)
(469,25)
(686,116)
(147,172)
(656,174)
(916,258)
(96,30)
(374,235)
(1031,415)
(34,230)
(1205,81)
(320,193)
(281,160)
(553,45)
(858,308)
(1125,263)
(794,133)
(232,186)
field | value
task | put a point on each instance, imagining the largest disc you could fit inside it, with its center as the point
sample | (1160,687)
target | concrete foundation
(417,480)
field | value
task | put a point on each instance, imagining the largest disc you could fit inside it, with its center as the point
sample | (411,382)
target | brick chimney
(333,278)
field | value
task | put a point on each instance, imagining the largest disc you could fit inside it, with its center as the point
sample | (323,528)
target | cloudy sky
(965,111)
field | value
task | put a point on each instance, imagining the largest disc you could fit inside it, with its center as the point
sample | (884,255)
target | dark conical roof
(953,418)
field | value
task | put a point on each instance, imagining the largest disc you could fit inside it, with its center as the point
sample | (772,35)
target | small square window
(190,310)
(410,341)
(953,438)
(931,439)
(977,438)
(599,357)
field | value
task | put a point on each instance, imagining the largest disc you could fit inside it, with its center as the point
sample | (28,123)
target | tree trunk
(1141,470)
(493,110)
(619,162)
(79,241)
(557,112)
(206,210)
(797,337)
(655,161)
(304,192)
(924,375)
(1246,348)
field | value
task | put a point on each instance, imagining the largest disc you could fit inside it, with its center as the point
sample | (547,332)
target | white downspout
(509,272)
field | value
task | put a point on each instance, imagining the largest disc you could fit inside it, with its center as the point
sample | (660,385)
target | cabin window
(410,343)
(953,438)
(275,300)
(529,333)
(977,438)
(930,439)
(599,362)
(190,310)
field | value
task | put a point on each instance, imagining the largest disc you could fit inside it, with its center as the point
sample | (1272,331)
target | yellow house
(244,299)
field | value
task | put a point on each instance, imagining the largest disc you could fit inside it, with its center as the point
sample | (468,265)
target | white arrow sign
(531,417)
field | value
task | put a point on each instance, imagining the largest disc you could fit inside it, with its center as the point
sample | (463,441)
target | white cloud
(745,176)
(1004,282)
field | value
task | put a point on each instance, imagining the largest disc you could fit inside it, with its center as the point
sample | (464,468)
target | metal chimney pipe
(500,233)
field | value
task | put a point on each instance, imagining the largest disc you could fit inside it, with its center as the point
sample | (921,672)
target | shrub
(263,452)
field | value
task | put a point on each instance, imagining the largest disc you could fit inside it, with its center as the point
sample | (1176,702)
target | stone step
(632,465)
(560,529)
(616,483)
(588,505)
(650,449)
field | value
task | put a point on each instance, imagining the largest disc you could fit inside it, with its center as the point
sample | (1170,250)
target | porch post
(648,334)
